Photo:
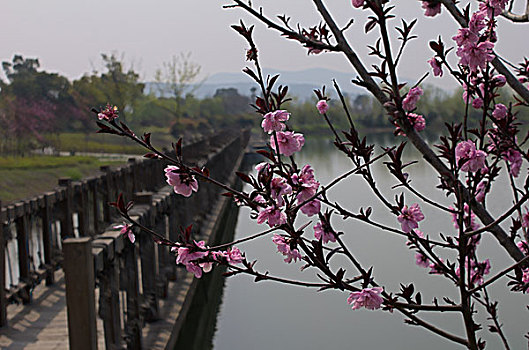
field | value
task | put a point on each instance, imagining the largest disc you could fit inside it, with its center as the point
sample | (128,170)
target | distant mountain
(301,83)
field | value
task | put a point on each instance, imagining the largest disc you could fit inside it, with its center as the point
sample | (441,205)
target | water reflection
(267,315)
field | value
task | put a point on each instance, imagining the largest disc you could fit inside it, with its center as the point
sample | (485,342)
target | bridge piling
(80,303)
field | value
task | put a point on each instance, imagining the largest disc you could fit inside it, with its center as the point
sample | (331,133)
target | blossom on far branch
(500,111)
(515,160)
(432,8)
(368,297)
(358,3)
(183,183)
(410,217)
(469,158)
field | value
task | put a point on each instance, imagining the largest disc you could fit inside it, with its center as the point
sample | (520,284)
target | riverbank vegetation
(23,177)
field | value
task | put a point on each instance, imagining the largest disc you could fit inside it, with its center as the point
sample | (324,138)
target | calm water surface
(267,315)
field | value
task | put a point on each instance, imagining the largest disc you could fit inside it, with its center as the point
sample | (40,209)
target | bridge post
(66,220)
(45,214)
(80,303)
(23,230)
(129,282)
(3,301)
(107,192)
(148,260)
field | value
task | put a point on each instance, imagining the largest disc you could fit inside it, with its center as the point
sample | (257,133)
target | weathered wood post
(66,219)
(80,303)
(3,301)
(109,311)
(148,261)
(22,226)
(129,282)
(107,195)
(47,239)
(81,207)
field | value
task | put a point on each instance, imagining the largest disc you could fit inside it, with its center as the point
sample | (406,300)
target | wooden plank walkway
(43,324)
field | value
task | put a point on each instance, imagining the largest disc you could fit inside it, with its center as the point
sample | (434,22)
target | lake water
(267,315)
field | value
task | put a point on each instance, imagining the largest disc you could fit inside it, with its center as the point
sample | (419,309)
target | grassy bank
(25,177)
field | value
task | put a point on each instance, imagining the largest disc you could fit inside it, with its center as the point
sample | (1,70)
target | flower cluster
(109,113)
(469,158)
(198,259)
(368,297)
(410,101)
(284,247)
(409,217)
(474,47)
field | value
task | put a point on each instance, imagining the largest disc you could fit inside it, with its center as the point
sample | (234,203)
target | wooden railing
(36,234)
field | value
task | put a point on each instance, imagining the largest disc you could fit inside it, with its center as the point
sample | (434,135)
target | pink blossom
(278,188)
(126,229)
(493,8)
(262,165)
(307,183)
(272,121)
(272,215)
(284,248)
(109,113)
(185,254)
(368,297)
(417,121)
(183,183)
(358,3)
(435,268)
(234,256)
(410,101)
(321,233)
(477,22)
(422,260)
(525,277)
(432,8)
(499,80)
(206,266)
(322,106)
(466,209)
(410,217)
(288,141)
(480,190)
(477,271)
(311,208)
(476,55)
(500,111)
(473,159)
(515,161)
(436,66)
(477,103)
(465,37)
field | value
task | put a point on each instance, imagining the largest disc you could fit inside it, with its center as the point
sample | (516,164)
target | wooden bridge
(71,281)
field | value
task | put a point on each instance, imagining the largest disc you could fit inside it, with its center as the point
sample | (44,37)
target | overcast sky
(68,36)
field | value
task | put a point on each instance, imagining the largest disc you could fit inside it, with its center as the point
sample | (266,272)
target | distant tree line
(35,104)
(438,106)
